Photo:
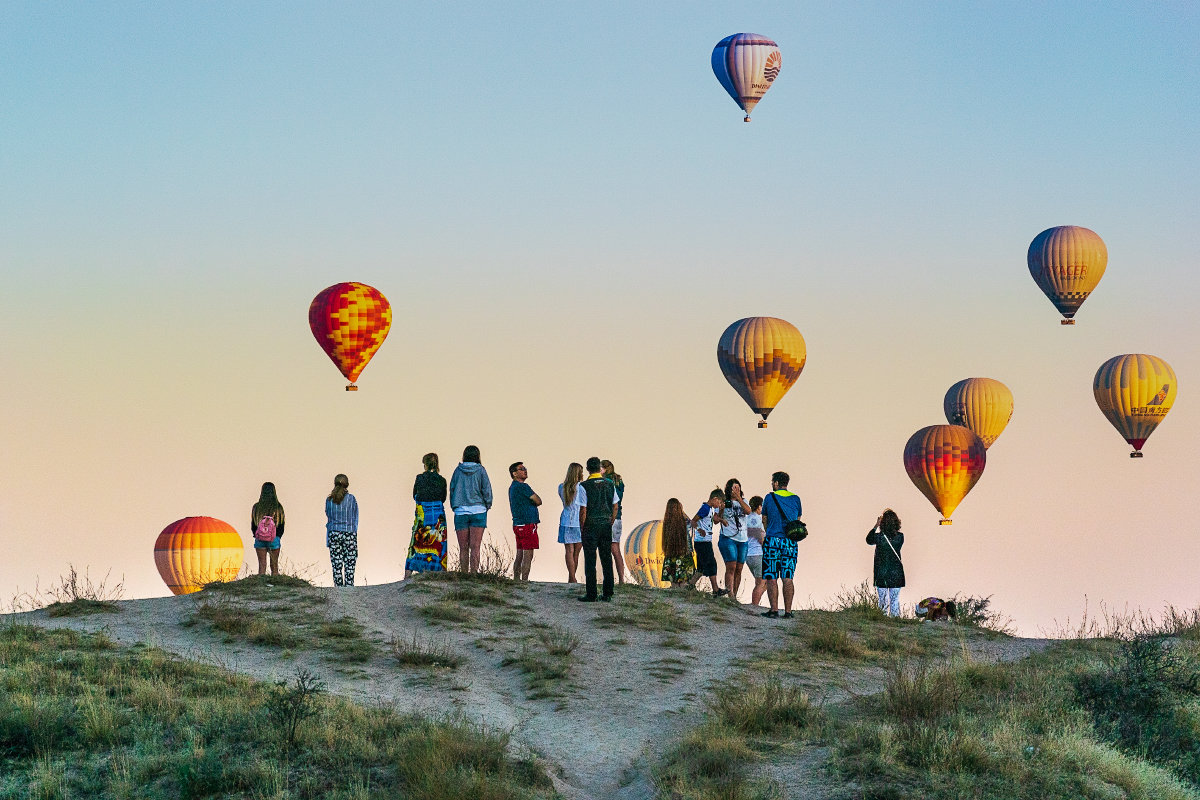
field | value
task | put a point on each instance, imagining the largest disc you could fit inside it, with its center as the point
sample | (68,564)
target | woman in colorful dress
(427,549)
(678,562)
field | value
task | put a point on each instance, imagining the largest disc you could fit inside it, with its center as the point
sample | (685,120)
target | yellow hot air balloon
(761,357)
(944,462)
(982,405)
(1067,262)
(197,550)
(644,555)
(1135,391)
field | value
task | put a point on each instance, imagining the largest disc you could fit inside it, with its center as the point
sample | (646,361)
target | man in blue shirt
(523,502)
(779,552)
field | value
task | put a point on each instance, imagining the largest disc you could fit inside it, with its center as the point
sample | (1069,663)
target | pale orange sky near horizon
(560,273)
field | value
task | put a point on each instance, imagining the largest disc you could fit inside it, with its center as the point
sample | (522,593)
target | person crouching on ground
(932,609)
(889,569)
(596,521)
(702,523)
(779,552)
(523,502)
(678,563)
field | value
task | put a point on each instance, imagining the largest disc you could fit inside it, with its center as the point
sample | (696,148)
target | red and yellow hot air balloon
(350,321)
(1067,262)
(197,550)
(944,462)
(761,357)
(983,405)
(1135,391)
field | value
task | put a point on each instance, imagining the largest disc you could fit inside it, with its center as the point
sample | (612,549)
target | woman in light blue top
(341,531)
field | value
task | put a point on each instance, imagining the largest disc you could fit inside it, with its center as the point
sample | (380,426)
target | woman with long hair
(678,562)
(610,474)
(471,499)
(427,548)
(734,541)
(341,531)
(268,505)
(570,527)
(889,569)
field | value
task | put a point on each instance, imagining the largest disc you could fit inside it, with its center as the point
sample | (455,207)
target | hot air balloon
(644,555)
(983,405)
(746,64)
(1067,262)
(350,322)
(944,462)
(197,550)
(1135,392)
(761,357)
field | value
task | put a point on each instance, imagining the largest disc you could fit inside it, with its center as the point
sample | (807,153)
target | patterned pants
(343,553)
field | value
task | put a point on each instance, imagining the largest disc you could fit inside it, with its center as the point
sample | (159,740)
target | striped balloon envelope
(747,65)
(1135,391)
(761,357)
(983,405)
(1066,263)
(350,321)
(944,462)
(197,550)
(644,554)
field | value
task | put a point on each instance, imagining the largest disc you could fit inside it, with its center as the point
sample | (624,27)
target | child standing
(702,523)
(755,533)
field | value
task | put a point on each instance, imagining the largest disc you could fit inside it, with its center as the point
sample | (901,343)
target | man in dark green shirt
(596,521)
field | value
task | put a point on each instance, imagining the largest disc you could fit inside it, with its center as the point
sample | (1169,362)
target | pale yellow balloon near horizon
(982,405)
(644,554)
(1135,391)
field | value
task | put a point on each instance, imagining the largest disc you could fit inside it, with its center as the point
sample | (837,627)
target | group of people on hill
(750,532)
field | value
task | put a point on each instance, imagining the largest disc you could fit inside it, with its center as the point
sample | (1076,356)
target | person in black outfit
(596,521)
(889,569)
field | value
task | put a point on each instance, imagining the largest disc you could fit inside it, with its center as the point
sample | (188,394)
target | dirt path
(630,692)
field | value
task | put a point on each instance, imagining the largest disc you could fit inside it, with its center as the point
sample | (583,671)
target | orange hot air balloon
(350,322)
(984,405)
(1135,392)
(197,550)
(761,357)
(944,462)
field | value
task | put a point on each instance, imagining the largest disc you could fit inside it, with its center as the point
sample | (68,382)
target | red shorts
(526,536)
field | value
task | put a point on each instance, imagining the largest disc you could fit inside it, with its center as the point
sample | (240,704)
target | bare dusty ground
(630,693)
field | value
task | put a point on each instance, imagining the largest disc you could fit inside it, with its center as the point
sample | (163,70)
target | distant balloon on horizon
(982,405)
(944,462)
(194,551)
(1135,391)
(350,321)
(761,357)
(1067,262)
(746,64)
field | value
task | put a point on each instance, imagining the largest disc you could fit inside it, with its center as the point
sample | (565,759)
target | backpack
(265,532)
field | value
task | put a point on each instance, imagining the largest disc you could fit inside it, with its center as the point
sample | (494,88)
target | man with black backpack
(780,507)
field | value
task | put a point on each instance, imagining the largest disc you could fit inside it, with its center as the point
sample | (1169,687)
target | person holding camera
(889,569)
(779,552)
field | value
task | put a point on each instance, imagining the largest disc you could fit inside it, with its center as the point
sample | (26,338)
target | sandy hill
(598,690)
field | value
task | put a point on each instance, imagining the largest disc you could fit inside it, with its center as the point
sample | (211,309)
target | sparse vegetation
(80,717)
(74,595)
(545,659)
(658,616)
(419,653)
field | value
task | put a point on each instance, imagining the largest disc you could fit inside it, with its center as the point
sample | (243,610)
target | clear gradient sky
(566,210)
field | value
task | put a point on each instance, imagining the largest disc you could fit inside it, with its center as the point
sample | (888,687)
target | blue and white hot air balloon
(746,64)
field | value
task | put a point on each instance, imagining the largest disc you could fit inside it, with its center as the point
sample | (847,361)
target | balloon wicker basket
(1066,322)
(352,388)
(1136,454)
(762,424)
(945,522)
